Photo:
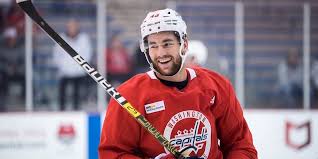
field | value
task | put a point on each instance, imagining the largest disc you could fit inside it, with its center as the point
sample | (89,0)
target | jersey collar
(191,71)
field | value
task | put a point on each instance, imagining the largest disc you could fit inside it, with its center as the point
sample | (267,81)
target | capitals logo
(190,128)
(66,133)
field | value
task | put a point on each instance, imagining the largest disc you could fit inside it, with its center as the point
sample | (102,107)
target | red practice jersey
(205,114)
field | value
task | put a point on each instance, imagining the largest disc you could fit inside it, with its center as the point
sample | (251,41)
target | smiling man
(194,108)
(164,48)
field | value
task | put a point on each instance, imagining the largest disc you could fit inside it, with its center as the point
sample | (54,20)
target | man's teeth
(164,60)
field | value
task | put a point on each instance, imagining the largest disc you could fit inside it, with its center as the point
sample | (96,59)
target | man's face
(164,53)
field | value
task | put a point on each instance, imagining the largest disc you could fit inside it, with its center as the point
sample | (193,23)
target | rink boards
(277,134)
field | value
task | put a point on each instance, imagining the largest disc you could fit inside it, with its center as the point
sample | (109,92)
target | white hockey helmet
(197,50)
(159,21)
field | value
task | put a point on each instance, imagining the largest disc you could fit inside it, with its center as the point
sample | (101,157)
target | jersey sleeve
(233,132)
(120,134)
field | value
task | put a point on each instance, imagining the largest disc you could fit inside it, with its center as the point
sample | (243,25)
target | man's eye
(153,46)
(167,44)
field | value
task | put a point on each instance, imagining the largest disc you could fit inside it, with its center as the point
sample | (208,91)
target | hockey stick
(28,7)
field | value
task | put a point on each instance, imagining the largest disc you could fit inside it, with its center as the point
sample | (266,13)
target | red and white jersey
(199,115)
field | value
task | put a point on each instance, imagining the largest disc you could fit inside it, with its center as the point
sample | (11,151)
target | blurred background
(268,49)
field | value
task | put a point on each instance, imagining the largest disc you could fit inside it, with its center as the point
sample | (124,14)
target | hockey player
(193,108)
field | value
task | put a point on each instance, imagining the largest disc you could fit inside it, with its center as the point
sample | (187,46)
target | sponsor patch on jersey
(155,107)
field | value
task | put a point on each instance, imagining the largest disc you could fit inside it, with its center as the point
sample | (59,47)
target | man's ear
(185,46)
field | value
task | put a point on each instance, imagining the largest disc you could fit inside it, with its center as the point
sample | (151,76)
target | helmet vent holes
(149,29)
(159,27)
(168,12)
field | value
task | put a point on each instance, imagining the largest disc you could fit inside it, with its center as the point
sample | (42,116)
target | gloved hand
(194,157)
(170,156)
(165,156)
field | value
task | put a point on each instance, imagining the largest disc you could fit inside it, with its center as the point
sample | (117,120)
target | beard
(176,64)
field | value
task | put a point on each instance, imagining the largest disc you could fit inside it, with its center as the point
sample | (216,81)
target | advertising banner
(284,134)
(43,135)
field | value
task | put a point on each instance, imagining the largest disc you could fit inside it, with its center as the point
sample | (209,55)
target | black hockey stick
(29,9)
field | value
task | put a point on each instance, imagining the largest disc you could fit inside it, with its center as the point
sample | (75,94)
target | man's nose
(162,51)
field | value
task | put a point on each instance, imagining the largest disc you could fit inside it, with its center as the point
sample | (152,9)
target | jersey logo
(193,137)
(190,128)
(212,101)
(155,107)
